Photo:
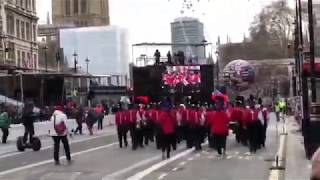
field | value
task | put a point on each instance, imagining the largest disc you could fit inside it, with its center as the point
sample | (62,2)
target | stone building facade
(18,34)
(80,13)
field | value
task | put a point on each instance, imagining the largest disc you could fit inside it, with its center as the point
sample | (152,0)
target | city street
(99,157)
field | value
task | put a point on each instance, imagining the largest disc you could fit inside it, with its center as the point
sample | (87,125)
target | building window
(35,61)
(18,28)
(28,30)
(23,33)
(19,58)
(75,6)
(23,59)
(68,6)
(34,33)
(10,24)
(33,5)
(83,6)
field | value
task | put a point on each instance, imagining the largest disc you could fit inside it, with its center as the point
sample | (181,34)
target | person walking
(167,123)
(100,115)
(59,132)
(219,130)
(253,129)
(120,119)
(91,120)
(79,120)
(4,124)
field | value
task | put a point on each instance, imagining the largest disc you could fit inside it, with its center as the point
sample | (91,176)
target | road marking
(237,153)
(116,174)
(48,147)
(130,168)
(162,176)
(175,169)
(229,157)
(190,158)
(75,175)
(182,163)
(154,167)
(50,161)
(197,155)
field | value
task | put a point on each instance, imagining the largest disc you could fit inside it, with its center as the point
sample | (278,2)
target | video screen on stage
(181,75)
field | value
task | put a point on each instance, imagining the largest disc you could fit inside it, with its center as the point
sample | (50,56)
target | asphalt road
(101,158)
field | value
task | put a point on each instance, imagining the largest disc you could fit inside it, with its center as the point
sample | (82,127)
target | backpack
(59,128)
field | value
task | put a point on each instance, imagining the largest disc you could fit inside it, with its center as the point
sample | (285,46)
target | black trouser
(122,135)
(263,133)
(158,136)
(136,136)
(253,135)
(64,140)
(100,122)
(79,128)
(197,136)
(179,134)
(278,116)
(28,130)
(188,134)
(167,141)
(5,134)
(220,142)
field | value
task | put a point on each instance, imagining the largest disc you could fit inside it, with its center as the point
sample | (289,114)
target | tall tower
(187,30)
(80,13)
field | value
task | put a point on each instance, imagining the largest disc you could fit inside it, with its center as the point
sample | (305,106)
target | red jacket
(219,123)
(120,118)
(194,118)
(251,115)
(167,123)
(131,116)
(237,114)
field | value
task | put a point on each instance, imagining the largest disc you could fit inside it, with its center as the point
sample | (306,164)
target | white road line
(50,161)
(190,158)
(48,147)
(197,155)
(154,167)
(182,163)
(175,169)
(75,175)
(130,168)
(162,176)
(229,157)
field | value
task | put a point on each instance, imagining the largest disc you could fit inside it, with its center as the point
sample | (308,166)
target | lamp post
(45,48)
(87,62)
(75,55)
(204,42)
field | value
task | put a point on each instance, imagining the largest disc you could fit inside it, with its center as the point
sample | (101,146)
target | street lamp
(75,55)
(87,62)
(204,42)
(45,48)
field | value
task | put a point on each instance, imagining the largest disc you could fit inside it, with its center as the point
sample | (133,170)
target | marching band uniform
(121,123)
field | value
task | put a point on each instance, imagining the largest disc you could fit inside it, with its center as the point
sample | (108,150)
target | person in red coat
(237,115)
(167,124)
(252,123)
(219,126)
(121,122)
(131,116)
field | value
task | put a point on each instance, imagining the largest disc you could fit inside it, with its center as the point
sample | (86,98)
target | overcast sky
(149,20)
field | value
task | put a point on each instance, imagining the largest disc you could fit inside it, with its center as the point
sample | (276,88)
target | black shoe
(57,163)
